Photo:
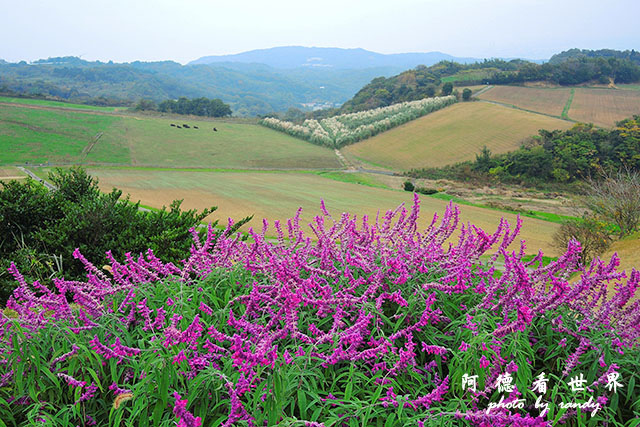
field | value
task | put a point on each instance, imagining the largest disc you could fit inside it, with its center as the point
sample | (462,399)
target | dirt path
(347,164)
(37,178)
(481,91)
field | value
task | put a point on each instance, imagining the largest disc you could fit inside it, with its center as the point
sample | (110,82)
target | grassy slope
(604,107)
(627,250)
(38,135)
(153,141)
(451,135)
(544,100)
(277,195)
(600,106)
(469,75)
(56,104)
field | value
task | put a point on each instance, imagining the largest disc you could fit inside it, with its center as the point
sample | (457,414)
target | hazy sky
(128,30)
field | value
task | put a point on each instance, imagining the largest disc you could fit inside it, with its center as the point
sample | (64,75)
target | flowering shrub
(345,129)
(369,323)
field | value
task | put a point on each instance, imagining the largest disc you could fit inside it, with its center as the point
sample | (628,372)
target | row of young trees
(344,129)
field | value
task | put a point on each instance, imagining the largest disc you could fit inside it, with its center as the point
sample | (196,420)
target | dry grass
(278,195)
(604,107)
(629,252)
(7,173)
(454,134)
(543,100)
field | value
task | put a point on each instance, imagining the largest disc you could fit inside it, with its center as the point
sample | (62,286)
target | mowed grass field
(544,100)
(604,107)
(453,134)
(37,135)
(470,75)
(628,250)
(56,104)
(600,106)
(41,135)
(153,142)
(278,195)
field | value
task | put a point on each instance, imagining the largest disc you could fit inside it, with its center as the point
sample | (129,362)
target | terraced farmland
(452,135)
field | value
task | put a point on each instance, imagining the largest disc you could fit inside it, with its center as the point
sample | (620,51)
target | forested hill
(423,81)
(572,67)
(631,55)
(250,89)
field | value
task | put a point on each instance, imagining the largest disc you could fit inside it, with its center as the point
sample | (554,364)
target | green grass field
(469,75)
(629,87)
(277,195)
(40,135)
(152,141)
(452,135)
(56,104)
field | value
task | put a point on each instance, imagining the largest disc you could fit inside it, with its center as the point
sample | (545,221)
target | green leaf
(302,403)
(630,387)
(390,421)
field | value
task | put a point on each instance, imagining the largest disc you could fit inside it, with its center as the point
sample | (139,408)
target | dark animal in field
(196,127)
(179,127)
(185,126)
(172,124)
(215,130)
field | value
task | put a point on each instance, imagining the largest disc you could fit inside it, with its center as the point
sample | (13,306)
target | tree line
(183,105)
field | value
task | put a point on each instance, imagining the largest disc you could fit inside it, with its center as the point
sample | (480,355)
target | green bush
(40,229)
(408,186)
(426,191)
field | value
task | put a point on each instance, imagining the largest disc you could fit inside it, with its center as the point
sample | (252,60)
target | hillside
(454,134)
(250,89)
(274,195)
(602,67)
(631,55)
(600,106)
(41,134)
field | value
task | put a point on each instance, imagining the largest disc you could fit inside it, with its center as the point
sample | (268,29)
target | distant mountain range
(287,57)
(253,83)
